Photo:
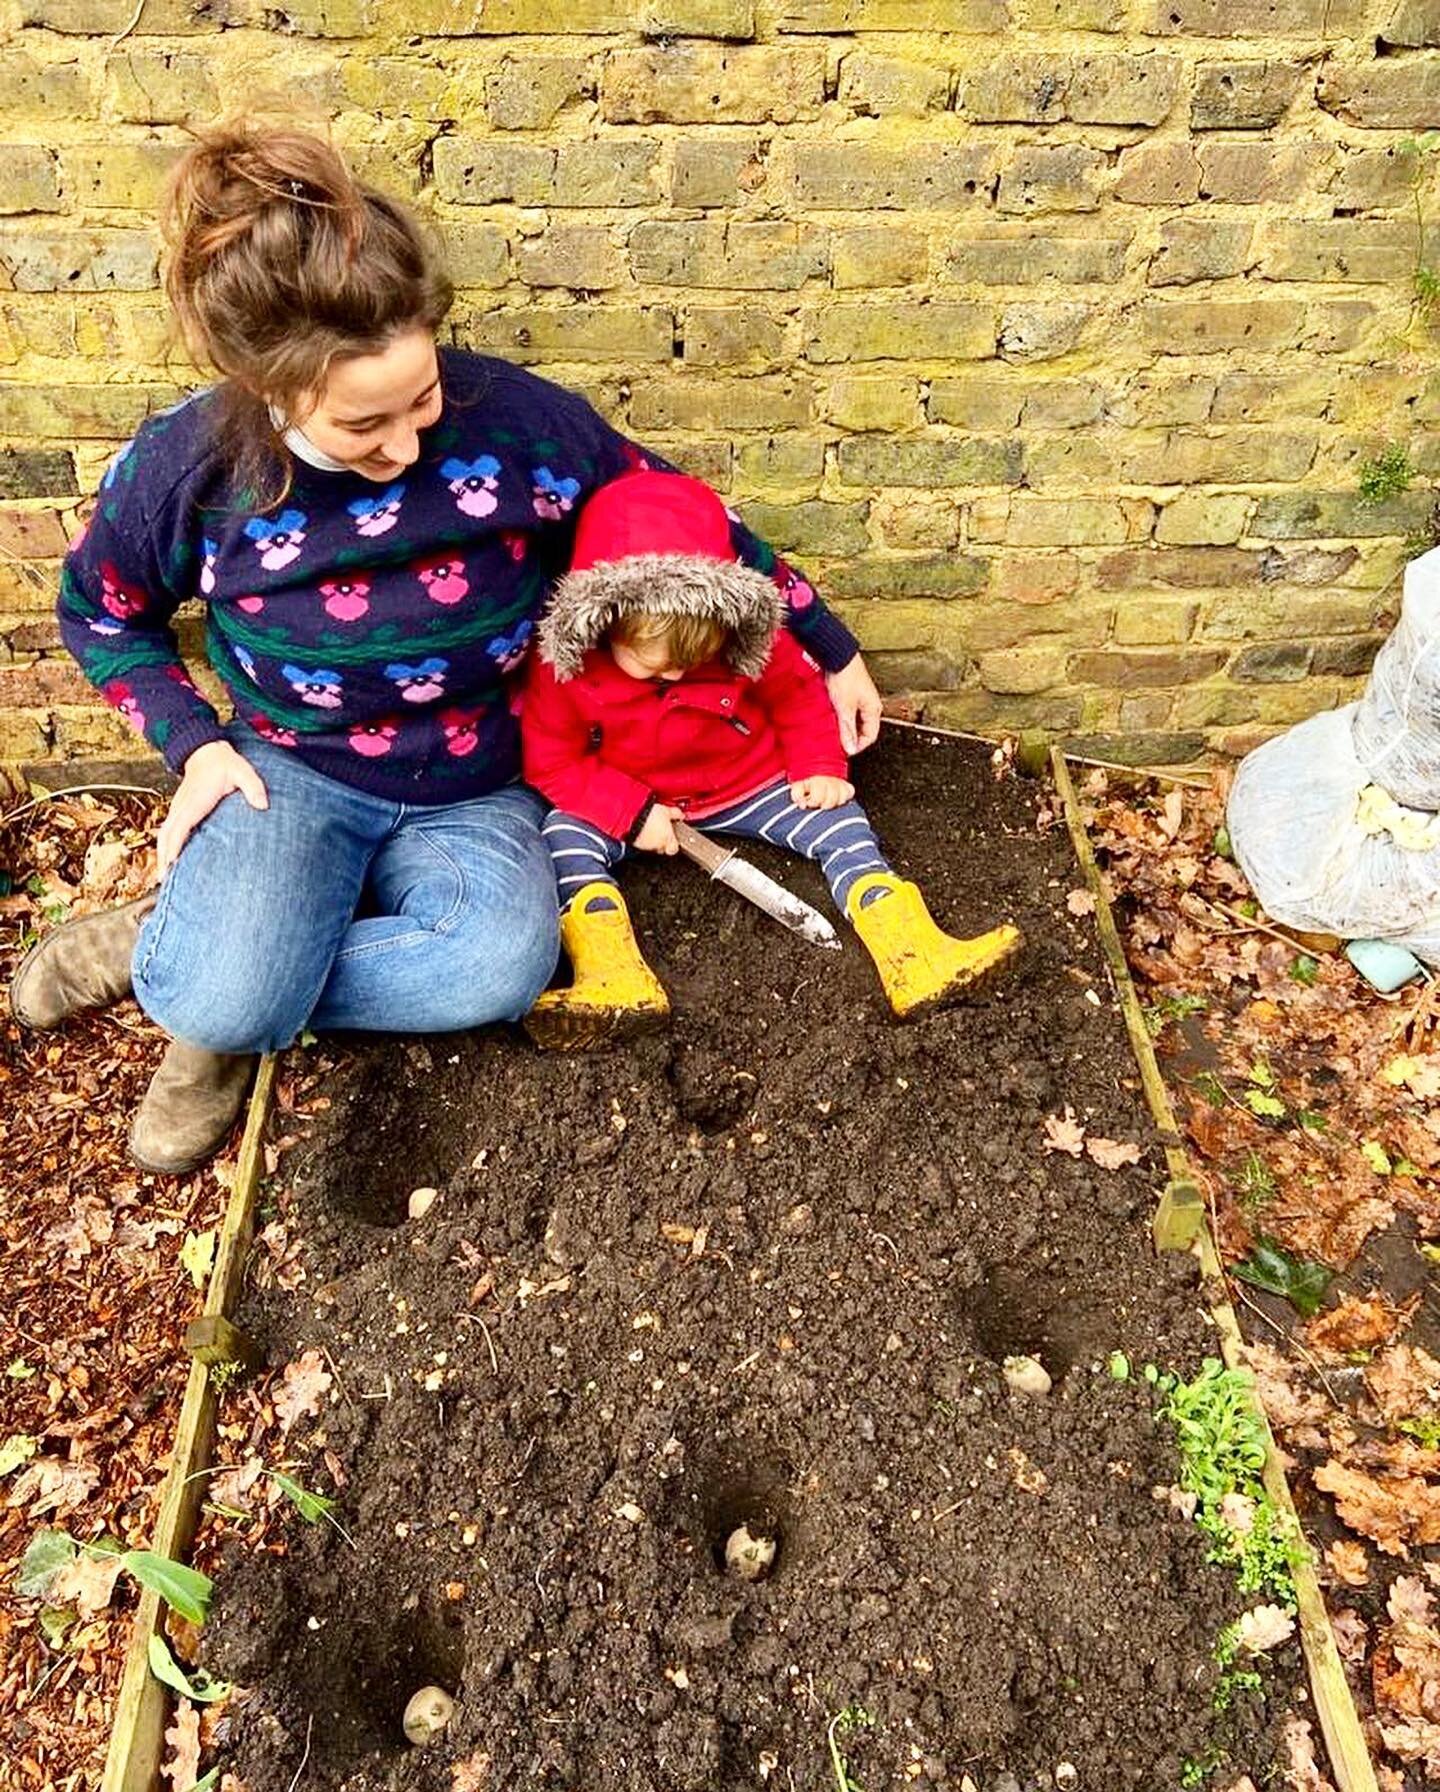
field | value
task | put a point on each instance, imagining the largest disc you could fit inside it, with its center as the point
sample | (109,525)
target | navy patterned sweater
(371,630)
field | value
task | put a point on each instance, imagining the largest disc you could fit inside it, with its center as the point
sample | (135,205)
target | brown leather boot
(83,964)
(189,1108)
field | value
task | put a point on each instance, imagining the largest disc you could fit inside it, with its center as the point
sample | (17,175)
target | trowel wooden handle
(704,852)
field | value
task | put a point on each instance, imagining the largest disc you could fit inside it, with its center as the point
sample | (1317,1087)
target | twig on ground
(309,1727)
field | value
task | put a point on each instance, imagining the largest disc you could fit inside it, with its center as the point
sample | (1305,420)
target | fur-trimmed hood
(658,543)
(586,604)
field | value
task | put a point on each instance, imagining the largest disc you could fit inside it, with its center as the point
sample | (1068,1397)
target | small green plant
(1426,281)
(184,1590)
(1386,476)
(1213,1090)
(1221,1439)
(225,1373)
(1255,1185)
(1232,1680)
(1194,1771)
(1159,1014)
(1424,1428)
(853,1717)
(1297,1279)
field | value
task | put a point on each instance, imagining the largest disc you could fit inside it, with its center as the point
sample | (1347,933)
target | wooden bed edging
(137,1736)
(1181,1223)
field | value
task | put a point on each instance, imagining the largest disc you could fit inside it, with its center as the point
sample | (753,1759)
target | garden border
(137,1735)
(1181,1223)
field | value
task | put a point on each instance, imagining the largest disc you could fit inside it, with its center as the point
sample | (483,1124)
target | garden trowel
(727,867)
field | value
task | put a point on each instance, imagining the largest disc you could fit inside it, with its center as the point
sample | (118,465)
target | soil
(762,1268)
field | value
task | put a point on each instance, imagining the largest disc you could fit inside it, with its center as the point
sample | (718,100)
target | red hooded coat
(602,745)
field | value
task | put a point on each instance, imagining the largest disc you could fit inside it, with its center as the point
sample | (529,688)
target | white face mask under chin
(302,447)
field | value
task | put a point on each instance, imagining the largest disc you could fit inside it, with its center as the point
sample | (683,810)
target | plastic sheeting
(1336,823)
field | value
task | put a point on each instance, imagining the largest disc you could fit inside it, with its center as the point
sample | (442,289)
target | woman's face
(371,409)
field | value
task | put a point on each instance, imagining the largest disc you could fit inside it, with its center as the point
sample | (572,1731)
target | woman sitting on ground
(373,525)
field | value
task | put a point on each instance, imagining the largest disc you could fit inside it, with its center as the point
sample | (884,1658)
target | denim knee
(217,1013)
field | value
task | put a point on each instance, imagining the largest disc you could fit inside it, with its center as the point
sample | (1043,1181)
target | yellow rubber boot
(614,995)
(920,967)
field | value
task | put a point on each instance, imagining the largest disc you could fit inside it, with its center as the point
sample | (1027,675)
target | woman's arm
(122,581)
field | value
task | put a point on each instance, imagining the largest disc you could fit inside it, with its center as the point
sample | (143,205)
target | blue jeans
(255,935)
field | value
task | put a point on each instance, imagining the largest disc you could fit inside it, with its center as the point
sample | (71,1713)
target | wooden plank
(137,1736)
(1181,1218)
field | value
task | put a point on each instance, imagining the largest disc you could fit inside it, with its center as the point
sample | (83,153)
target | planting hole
(392,1662)
(1017,1312)
(737,1508)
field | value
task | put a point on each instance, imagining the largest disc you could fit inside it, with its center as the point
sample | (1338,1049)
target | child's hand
(821,793)
(658,833)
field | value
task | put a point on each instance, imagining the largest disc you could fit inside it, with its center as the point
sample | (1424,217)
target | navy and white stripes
(840,840)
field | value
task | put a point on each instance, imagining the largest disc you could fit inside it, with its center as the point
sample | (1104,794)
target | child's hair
(281,262)
(690,640)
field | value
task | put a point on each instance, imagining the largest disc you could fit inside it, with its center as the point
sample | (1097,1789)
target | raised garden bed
(765,1268)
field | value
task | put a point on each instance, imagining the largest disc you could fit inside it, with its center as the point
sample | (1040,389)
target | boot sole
(580,1029)
(977,987)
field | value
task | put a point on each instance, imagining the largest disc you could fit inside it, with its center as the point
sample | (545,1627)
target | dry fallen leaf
(1351,1326)
(1064,1134)
(304,1385)
(1348,1562)
(1264,1627)
(1302,1773)
(1352,1634)
(1391,1513)
(86,1582)
(472,1774)
(1404,1380)
(421,1201)
(1025,1474)
(1080,902)
(1110,1154)
(182,1762)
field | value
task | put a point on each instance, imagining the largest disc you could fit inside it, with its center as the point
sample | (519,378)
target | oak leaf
(182,1763)
(1391,1513)
(303,1387)
(1064,1133)
(1110,1154)
(1348,1562)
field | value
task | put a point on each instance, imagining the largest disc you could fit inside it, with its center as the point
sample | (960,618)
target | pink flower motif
(517,542)
(119,693)
(252,606)
(181,677)
(119,599)
(461,734)
(372,739)
(271,731)
(347,600)
(799,593)
(444,579)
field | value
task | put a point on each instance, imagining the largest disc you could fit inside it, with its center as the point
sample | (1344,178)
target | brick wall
(1051,335)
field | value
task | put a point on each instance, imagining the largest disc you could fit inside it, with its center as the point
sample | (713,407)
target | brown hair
(281,262)
(690,640)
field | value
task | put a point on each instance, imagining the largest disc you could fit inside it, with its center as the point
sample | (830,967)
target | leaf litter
(1310,1107)
(94,1301)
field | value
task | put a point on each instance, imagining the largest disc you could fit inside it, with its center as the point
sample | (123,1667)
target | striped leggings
(841,841)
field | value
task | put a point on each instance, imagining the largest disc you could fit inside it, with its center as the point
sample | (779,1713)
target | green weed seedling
(1255,1185)
(1386,476)
(1195,1772)
(853,1717)
(1232,1680)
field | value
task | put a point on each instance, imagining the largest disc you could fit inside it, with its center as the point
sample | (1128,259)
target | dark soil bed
(763,1267)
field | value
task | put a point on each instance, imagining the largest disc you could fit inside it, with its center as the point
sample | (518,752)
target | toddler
(666,688)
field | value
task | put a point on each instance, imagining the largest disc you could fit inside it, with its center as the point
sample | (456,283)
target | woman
(374,525)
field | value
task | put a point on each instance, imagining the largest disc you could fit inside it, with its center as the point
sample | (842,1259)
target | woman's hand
(658,833)
(857,704)
(212,773)
(821,792)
